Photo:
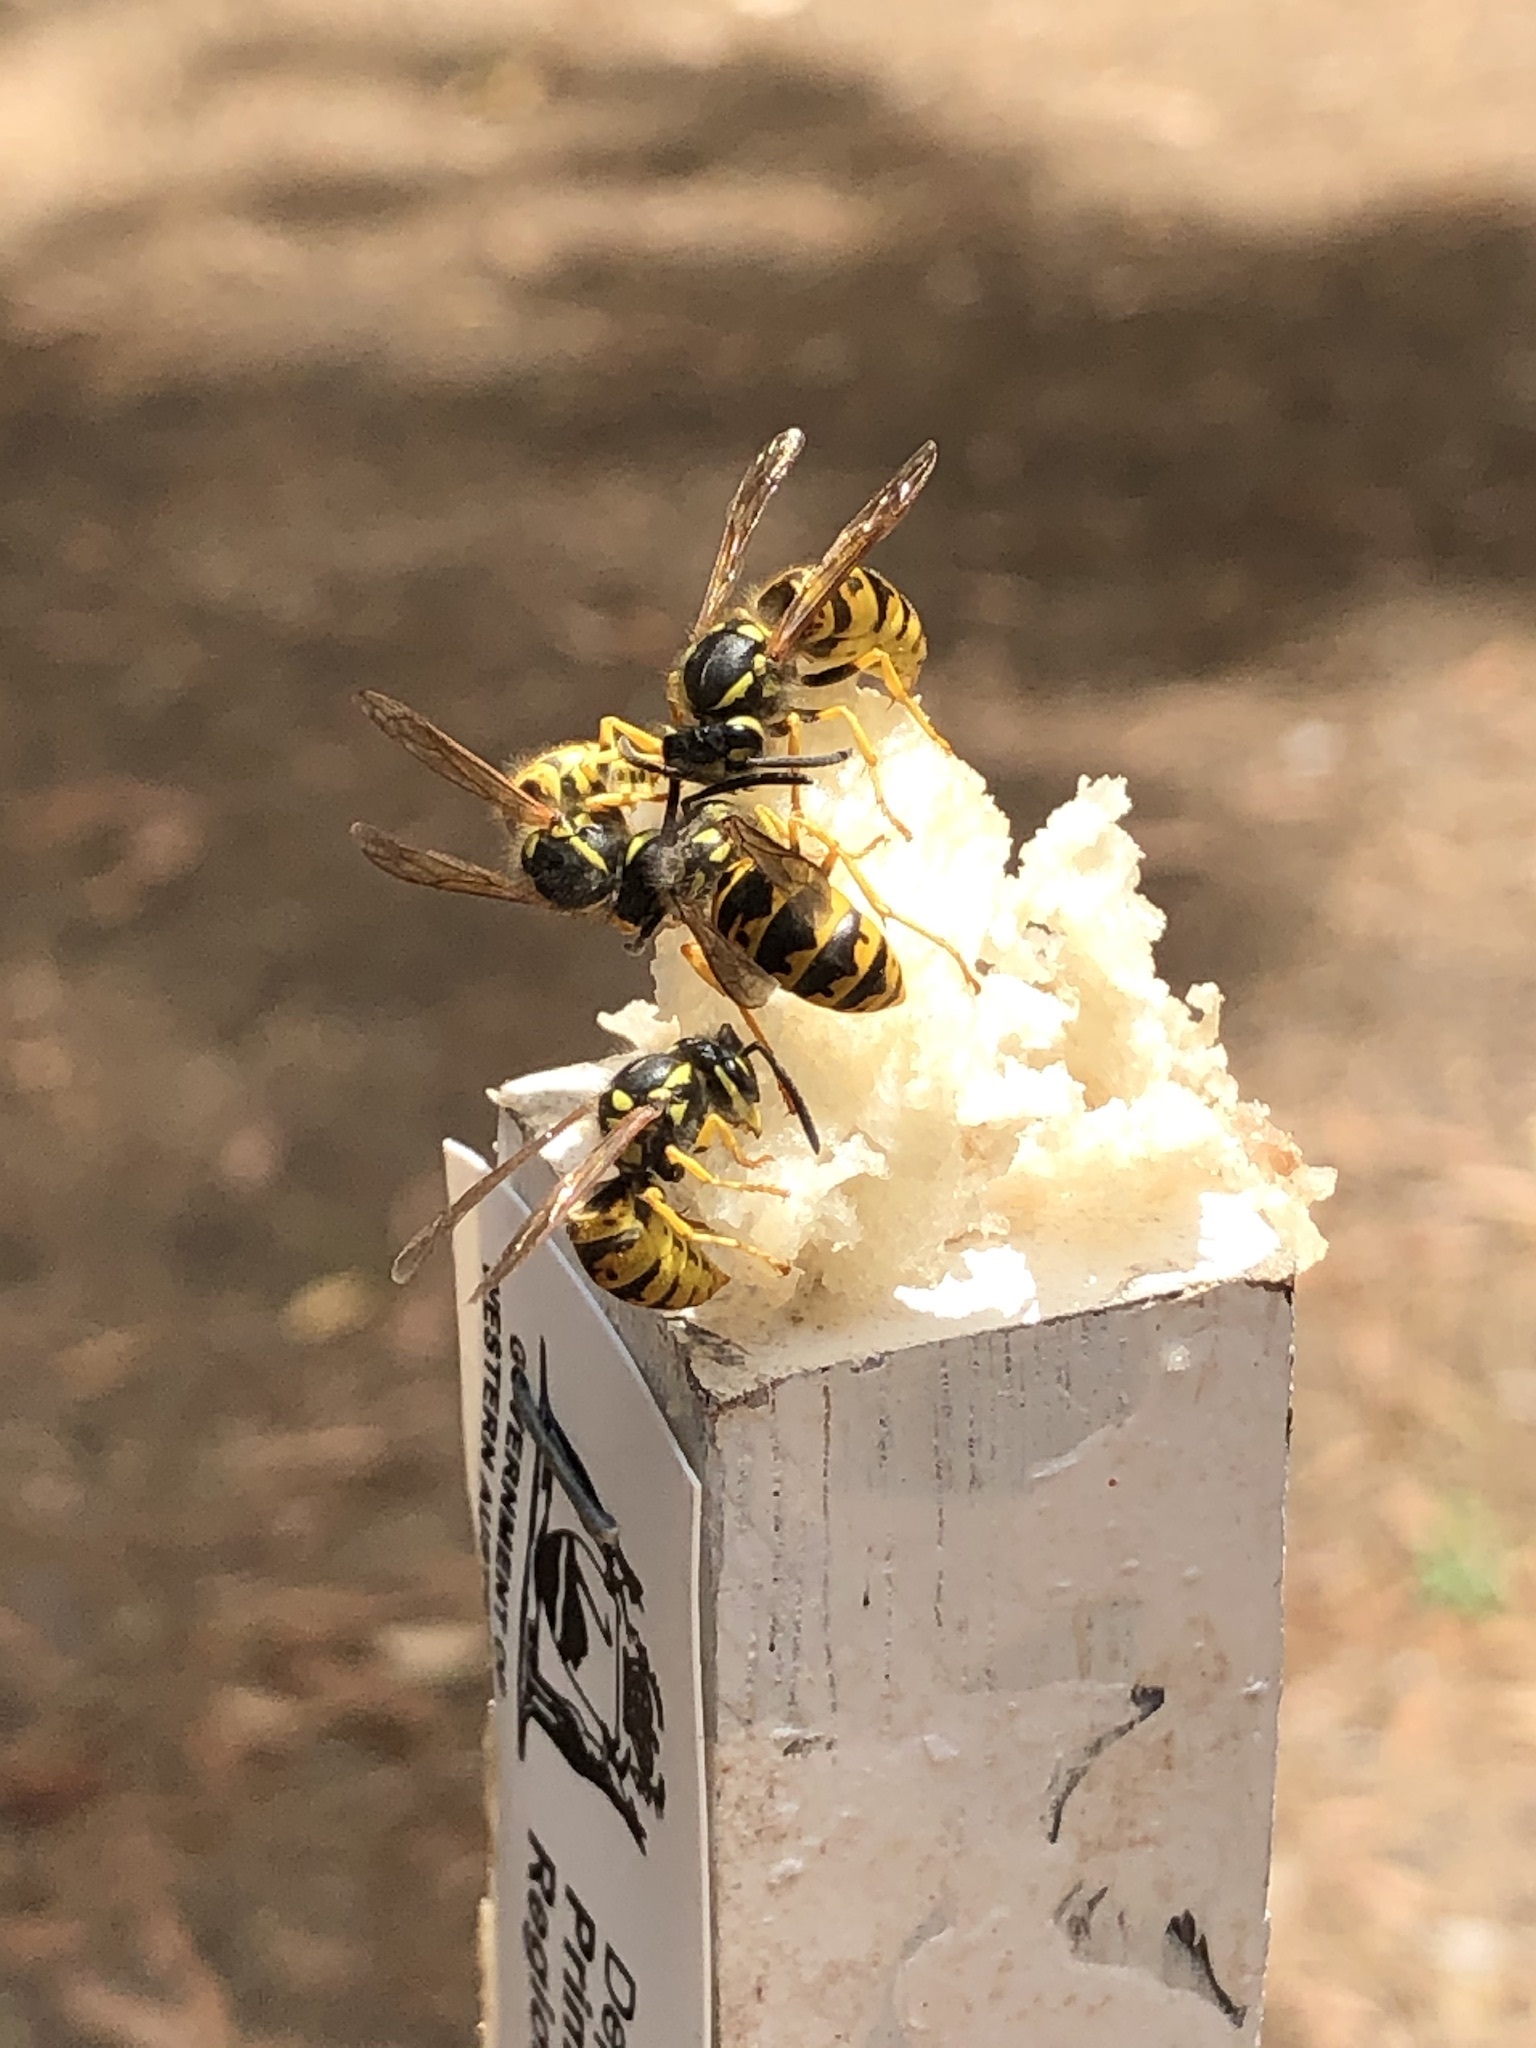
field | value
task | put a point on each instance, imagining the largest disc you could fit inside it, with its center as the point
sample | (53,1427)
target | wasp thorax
(725,670)
(576,866)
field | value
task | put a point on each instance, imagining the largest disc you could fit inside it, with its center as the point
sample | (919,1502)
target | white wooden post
(989,1634)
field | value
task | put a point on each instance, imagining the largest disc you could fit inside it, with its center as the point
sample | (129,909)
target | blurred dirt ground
(394,345)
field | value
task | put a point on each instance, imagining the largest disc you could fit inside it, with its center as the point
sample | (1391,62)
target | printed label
(587,1518)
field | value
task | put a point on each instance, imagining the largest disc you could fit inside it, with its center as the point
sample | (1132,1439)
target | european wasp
(744,676)
(760,913)
(654,1117)
(565,811)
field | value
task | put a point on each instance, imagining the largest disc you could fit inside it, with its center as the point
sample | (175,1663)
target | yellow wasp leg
(614,800)
(796,828)
(689,1164)
(691,1231)
(861,740)
(693,953)
(877,902)
(611,730)
(716,1131)
(881,908)
(878,663)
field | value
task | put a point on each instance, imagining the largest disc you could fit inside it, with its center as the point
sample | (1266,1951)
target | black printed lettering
(586,1926)
(542,1876)
(619,1984)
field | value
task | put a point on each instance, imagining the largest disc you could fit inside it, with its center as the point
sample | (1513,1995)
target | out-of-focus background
(352,342)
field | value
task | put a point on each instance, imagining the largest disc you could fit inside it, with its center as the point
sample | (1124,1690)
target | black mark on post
(1187,1967)
(802,1745)
(1074,1916)
(1065,1779)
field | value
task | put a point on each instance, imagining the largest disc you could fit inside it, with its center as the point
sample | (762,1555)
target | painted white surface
(601,1876)
(945,1581)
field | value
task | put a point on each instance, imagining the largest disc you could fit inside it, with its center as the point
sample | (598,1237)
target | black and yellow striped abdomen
(633,1253)
(569,776)
(812,941)
(866,612)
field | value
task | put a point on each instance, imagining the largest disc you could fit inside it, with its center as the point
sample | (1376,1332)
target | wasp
(565,810)
(743,677)
(656,1115)
(760,914)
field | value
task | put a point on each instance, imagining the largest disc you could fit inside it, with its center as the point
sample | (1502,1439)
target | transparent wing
(568,1193)
(455,763)
(885,510)
(785,868)
(409,1258)
(433,870)
(767,471)
(737,974)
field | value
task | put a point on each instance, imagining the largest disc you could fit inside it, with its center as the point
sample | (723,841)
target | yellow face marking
(567,837)
(622,1101)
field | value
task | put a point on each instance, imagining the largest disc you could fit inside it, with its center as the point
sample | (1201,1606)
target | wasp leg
(866,749)
(614,800)
(618,740)
(881,908)
(610,731)
(879,664)
(832,849)
(693,953)
(716,1131)
(663,1208)
(695,957)
(878,904)
(689,1164)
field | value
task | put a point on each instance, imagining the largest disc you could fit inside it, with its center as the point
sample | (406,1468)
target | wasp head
(730,1079)
(576,863)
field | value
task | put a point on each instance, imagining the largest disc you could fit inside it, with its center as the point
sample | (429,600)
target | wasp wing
(568,1193)
(735,973)
(455,763)
(885,510)
(434,870)
(765,473)
(408,1259)
(784,867)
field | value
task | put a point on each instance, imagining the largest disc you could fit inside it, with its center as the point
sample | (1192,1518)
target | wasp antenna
(796,1101)
(786,778)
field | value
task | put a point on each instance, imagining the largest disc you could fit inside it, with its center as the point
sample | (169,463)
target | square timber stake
(924,1699)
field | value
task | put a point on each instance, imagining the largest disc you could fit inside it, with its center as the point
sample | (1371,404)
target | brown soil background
(401,345)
